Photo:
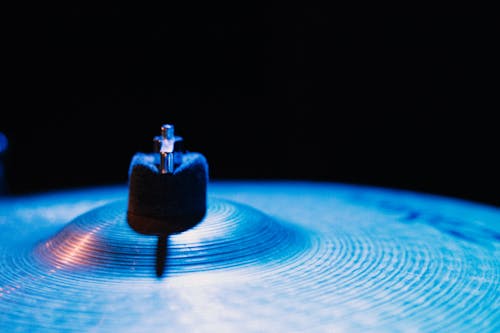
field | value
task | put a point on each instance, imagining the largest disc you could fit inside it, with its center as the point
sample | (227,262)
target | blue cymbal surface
(269,256)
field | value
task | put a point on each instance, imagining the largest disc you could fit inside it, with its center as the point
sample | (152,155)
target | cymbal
(269,256)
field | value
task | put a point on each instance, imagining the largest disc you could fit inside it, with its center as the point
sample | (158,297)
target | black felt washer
(166,203)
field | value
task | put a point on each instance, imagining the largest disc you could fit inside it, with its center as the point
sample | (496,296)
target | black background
(397,101)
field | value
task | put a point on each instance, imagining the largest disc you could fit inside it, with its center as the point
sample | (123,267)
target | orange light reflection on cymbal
(75,251)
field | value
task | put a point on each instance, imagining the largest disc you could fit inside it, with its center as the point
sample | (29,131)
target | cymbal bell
(100,243)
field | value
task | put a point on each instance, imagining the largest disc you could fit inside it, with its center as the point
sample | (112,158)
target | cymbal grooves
(340,269)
